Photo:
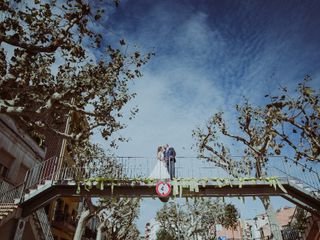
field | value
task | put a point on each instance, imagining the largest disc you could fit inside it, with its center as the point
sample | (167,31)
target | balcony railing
(44,224)
(140,168)
(12,195)
(5,186)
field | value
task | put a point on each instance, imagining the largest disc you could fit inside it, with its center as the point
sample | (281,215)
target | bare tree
(295,121)
(289,122)
(49,70)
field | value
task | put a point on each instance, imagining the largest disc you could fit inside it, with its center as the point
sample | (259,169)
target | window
(6,160)
(3,171)
(58,213)
(22,173)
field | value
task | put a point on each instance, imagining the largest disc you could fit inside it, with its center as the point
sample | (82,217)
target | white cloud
(196,72)
(177,94)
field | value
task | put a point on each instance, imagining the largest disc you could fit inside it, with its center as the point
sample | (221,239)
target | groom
(170,157)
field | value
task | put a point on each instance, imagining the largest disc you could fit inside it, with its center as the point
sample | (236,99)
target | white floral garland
(177,184)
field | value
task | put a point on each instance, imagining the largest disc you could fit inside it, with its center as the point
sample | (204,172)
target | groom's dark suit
(170,156)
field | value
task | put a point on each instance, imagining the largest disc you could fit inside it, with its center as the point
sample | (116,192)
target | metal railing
(292,170)
(41,172)
(34,176)
(42,218)
(12,195)
(130,168)
(291,233)
(140,167)
(5,186)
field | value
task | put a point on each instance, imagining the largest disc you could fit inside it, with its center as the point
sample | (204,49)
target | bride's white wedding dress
(160,170)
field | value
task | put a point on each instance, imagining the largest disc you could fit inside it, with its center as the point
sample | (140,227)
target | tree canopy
(49,69)
(162,234)
(286,125)
(118,218)
(196,218)
(116,215)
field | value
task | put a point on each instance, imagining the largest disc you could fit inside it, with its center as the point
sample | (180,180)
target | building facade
(258,228)
(18,153)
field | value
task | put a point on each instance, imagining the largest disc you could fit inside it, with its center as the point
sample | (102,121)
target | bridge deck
(211,189)
(131,178)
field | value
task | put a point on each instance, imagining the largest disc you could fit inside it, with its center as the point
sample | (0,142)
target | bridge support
(260,189)
(20,228)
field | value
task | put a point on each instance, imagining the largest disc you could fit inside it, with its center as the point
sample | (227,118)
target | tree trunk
(243,231)
(99,230)
(274,226)
(81,224)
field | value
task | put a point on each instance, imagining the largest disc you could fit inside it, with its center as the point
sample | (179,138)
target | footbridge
(194,178)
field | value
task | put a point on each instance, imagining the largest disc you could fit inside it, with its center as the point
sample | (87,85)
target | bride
(160,170)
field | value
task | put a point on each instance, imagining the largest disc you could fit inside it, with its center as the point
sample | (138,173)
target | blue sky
(209,55)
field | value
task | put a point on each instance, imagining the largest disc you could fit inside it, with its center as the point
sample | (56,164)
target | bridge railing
(185,167)
(292,170)
(13,194)
(41,172)
(42,218)
(80,173)
(122,168)
(141,167)
(5,186)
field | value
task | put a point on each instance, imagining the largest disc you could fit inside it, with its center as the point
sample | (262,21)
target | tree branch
(30,47)
(293,146)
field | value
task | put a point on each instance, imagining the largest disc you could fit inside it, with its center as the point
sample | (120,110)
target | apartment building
(18,153)
(259,228)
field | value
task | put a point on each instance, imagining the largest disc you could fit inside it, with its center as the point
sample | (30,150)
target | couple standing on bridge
(165,167)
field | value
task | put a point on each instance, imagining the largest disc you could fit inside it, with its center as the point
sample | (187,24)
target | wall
(8,229)
(18,153)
